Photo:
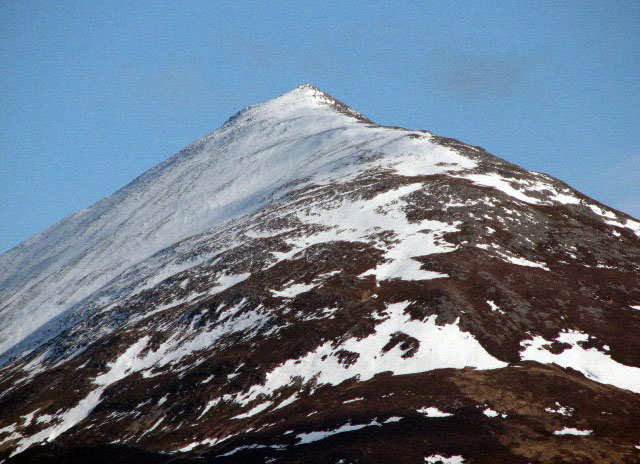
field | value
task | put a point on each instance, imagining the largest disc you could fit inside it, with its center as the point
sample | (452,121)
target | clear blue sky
(92,94)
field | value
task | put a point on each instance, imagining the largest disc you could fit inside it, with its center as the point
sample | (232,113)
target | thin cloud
(483,77)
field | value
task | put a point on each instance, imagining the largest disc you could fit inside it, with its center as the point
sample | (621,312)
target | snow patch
(439,347)
(361,219)
(29,417)
(522,261)
(594,364)
(572,431)
(226,281)
(433,412)
(68,419)
(244,447)
(321,435)
(293,290)
(601,212)
(437,458)
(287,402)
(214,402)
(353,400)
(506,185)
(494,307)
(428,159)
(253,411)
(393,419)
(490,412)
(205,442)
(501,184)
(562,410)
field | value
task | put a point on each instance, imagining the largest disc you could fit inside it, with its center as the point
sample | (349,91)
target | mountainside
(303,285)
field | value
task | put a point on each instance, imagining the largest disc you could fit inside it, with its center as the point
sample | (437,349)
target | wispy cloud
(480,77)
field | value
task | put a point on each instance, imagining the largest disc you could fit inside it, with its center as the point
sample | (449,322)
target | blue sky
(94,94)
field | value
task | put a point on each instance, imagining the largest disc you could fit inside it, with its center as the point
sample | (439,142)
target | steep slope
(303,281)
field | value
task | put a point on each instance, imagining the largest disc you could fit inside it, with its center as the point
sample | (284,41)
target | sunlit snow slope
(255,157)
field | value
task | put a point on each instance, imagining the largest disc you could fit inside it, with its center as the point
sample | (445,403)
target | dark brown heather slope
(469,310)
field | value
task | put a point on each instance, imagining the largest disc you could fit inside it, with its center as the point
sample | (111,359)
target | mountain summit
(304,285)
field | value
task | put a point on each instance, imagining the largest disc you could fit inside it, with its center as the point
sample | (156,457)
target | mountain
(304,285)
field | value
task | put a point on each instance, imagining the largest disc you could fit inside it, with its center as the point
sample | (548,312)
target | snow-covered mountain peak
(302,272)
(304,102)
(307,90)
(301,138)
(305,94)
